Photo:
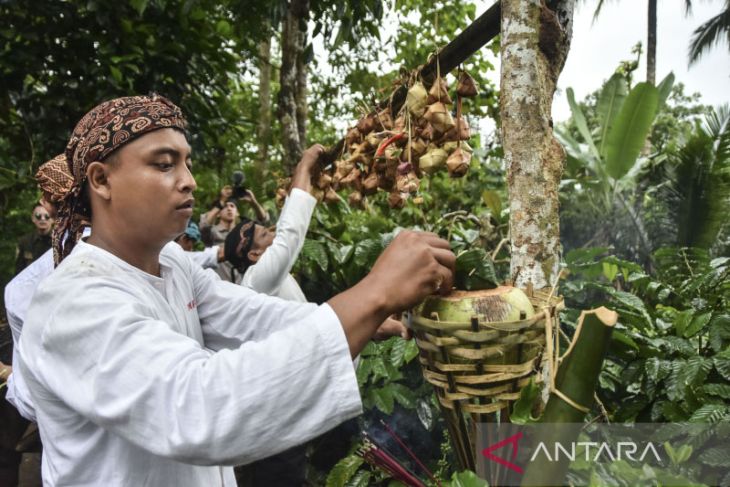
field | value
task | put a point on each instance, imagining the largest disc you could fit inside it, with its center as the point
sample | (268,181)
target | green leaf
(425,414)
(709,413)
(493,201)
(383,399)
(397,353)
(223,27)
(411,351)
(522,409)
(116,74)
(580,121)
(139,6)
(665,89)
(716,456)
(364,368)
(697,324)
(316,251)
(343,471)
(361,479)
(466,478)
(610,271)
(722,363)
(625,339)
(721,390)
(610,100)
(403,395)
(629,132)
(682,320)
(475,270)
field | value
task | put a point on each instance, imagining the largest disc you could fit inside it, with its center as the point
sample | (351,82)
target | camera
(238,181)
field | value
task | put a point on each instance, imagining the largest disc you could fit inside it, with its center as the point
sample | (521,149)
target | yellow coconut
(501,304)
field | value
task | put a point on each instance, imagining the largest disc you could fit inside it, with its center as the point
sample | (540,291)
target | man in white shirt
(146,370)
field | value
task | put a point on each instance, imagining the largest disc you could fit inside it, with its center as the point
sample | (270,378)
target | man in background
(34,244)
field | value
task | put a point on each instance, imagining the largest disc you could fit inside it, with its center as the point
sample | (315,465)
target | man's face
(151,187)
(42,220)
(263,237)
(229,212)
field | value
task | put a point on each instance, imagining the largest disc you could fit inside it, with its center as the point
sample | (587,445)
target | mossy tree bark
(535,41)
(292,90)
(263,130)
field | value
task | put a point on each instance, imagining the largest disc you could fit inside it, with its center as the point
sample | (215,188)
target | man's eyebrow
(171,151)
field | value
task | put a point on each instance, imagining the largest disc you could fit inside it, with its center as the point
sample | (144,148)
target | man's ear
(97,177)
(254,255)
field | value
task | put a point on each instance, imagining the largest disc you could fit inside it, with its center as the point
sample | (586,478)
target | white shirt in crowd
(146,381)
(271,274)
(18,294)
(206,258)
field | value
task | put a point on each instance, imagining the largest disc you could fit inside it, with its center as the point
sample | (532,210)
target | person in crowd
(145,369)
(216,234)
(54,180)
(34,244)
(208,258)
(226,196)
(265,259)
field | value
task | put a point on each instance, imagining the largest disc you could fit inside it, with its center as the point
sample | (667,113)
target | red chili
(384,145)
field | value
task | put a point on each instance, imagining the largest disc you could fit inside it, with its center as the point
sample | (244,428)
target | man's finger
(435,241)
(445,257)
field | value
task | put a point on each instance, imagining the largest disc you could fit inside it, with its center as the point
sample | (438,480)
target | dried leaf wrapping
(466,86)
(416,99)
(439,117)
(433,160)
(439,92)
(458,162)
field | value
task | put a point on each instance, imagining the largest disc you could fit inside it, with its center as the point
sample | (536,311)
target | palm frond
(703,181)
(709,34)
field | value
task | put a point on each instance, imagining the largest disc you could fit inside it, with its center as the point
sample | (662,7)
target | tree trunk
(263,131)
(535,42)
(301,95)
(291,51)
(651,44)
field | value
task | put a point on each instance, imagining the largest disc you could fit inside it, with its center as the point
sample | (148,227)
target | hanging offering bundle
(391,152)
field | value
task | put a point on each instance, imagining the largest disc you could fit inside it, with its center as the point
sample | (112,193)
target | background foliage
(644,231)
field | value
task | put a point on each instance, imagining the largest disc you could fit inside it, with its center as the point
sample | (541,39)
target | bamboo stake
(572,395)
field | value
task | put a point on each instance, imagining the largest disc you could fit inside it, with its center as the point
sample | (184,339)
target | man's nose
(187,183)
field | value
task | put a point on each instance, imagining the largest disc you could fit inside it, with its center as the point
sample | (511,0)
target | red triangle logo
(487,452)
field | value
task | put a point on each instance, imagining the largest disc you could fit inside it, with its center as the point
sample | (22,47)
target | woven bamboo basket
(479,362)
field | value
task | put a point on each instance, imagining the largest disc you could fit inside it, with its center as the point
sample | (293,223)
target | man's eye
(164,165)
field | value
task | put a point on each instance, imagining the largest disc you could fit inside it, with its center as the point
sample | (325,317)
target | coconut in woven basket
(478,348)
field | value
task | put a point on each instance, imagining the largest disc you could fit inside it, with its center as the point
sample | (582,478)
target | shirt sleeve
(18,394)
(207,259)
(112,362)
(267,275)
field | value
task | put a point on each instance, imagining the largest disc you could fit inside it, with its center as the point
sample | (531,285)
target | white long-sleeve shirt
(18,294)
(271,274)
(147,381)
